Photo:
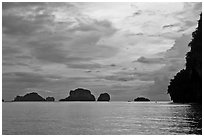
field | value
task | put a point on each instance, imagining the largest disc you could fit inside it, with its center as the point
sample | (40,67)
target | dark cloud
(14,64)
(24,57)
(168,26)
(88,71)
(113,65)
(10,50)
(52,49)
(139,12)
(28,77)
(10,5)
(100,26)
(85,66)
(150,60)
(16,24)
(135,34)
(118,77)
(53,53)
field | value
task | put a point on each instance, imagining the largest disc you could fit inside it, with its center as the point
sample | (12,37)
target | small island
(29,97)
(79,94)
(50,99)
(104,97)
(141,99)
(32,97)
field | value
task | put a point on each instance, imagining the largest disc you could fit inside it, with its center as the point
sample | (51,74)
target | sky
(125,49)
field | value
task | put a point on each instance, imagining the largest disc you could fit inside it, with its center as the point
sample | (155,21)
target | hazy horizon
(124,49)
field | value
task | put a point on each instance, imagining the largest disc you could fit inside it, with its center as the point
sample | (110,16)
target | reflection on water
(188,120)
(112,118)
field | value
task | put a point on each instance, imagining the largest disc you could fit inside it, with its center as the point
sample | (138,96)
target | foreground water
(100,118)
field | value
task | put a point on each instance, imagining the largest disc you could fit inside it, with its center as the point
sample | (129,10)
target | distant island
(32,97)
(104,97)
(50,99)
(79,94)
(186,86)
(141,99)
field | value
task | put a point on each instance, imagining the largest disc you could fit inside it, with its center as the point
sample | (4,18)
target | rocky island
(186,86)
(50,99)
(104,97)
(141,99)
(79,94)
(32,97)
(29,97)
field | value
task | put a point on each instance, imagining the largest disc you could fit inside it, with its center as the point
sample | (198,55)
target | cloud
(37,90)
(119,78)
(18,25)
(150,60)
(61,46)
(10,50)
(28,77)
(85,66)
(139,12)
(10,5)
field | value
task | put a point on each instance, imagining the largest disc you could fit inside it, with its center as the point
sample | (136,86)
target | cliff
(186,86)
(79,94)
(104,97)
(29,97)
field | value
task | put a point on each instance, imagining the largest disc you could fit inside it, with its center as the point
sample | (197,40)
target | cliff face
(79,95)
(186,86)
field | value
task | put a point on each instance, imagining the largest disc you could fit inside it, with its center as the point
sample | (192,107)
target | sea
(100,118)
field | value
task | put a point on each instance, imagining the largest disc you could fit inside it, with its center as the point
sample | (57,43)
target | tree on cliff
(186,86)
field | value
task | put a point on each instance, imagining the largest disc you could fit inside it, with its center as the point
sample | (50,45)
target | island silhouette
(104,97)
(29,97)
(78,94)
(142,99)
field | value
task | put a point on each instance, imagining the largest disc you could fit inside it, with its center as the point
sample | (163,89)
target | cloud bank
(126,49)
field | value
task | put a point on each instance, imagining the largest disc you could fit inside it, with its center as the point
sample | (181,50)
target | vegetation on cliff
(186,86)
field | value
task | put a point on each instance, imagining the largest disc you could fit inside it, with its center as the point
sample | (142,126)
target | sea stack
(79,94)
(104,97)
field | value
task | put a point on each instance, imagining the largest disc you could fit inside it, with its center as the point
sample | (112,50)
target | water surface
(100,118)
